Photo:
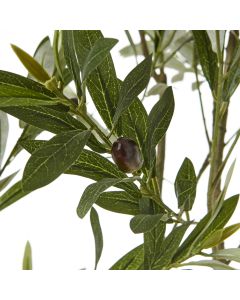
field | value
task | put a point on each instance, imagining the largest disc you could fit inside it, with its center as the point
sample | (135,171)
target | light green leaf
(119,202)
(102,83)
(228,254)
(53,159)
(97,232)
(128,50)
(27,258)
(185,185)
(96,55)
(157,89)
(169,247)
(5,181)
(31,64)
(214,264)
(68,43)
(144,223)
(12,195)
(93,192)
(16,90)
(207,57)
(3,134)
(158,122)
(133,85)
(133,260)
(178,77)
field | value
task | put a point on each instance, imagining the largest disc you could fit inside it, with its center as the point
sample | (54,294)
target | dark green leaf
(5,181)
(31,64)
(169,247)
(53,159)
(93,192)
(214,264)
(91,165)
(133,85)
(119,202)
(143,223)
(96,55)
(68,43)
(102,83)
(229,254)
(12,195)
(158,122)
(16,90)
(133,260)
(193,243)
(207,57)
(185,185)
(97,232)
(52,120)
(3,134)
(27,258)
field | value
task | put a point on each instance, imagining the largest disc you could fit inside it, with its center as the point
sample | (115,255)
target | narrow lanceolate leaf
(12,195)
(91,165)
(16,90)
(228,254)
(158,122)
(133,85)
(5,181)
(144,223)
(93,192)
(214,264)
(98,237)
(102,83)
(195,241)
(70,57)
(96,55)
(185,185)
(119,202)
(3,134)
(207,57)
(33,67)
(27,257)
(133,260)
(169,247)
(53,159)
(52,120)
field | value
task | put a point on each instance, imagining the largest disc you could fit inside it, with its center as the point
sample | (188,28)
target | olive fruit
(126,155)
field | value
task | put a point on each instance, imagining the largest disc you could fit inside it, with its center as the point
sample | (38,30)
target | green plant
(42,102)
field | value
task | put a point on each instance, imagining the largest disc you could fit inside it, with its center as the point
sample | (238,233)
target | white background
(60,240)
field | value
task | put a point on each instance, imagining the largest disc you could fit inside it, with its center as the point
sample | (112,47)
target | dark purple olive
(126,155)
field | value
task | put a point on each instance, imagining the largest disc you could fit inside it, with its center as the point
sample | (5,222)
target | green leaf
(68,43)
(190,247)
(228,254)
(12,195)
(93,192)
(16,90)
(93,166)
(102,83)
(133,260)
(27,258)
(128,50)
(144,223)
(119,202)
(207,57)
(96,55)
(185,185)
(169,247)
(31,64)
(133,85)
(4,127)
(157,89)
(97,232)
(5,181)
(44,56)
(52,120)
(158,122)
(219,236)
(53,159)
(214,264)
